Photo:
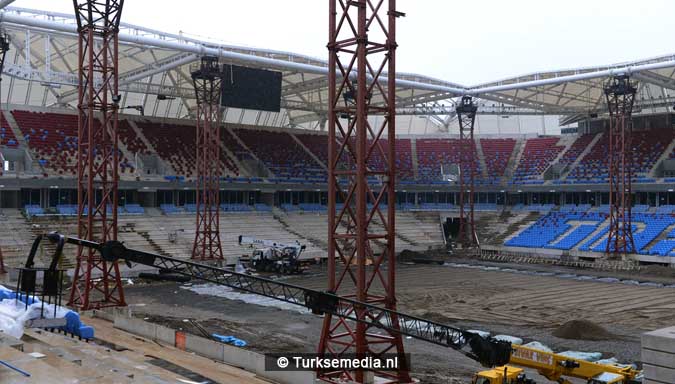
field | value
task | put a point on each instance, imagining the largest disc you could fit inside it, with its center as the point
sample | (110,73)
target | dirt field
(525,305)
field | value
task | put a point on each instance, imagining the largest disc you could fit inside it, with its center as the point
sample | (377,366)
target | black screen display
(250,88)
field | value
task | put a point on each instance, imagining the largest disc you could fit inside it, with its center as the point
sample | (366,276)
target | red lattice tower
(620,94)
(96,283)
(466,115)
(207,80)
(361,46)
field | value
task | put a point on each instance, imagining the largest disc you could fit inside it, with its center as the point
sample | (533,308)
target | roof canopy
(154,73)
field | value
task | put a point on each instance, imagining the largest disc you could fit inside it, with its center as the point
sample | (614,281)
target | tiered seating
(33,210)
(134,209)
(543,208)
(53,138)
(544,232)
(66,209)
(131,140)
(170,209)
(433,153)
(646,148)
(283,156)
(497,153)
(262,207)
(537,156)
(665,209)
(317,144)
(579,145)
(7,137)
(176,144)
(553,225)
(312,207)
(235,207)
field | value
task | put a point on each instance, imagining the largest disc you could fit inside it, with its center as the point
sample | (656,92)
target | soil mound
(582,330)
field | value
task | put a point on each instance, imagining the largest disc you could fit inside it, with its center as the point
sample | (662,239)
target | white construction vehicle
(274,256)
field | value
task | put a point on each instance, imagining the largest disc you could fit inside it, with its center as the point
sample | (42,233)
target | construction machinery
(274,256)
(556,368)
(501,356)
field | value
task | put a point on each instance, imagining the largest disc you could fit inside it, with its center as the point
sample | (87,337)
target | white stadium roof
(41,70)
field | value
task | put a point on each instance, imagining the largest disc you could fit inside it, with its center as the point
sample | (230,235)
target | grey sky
(499,39)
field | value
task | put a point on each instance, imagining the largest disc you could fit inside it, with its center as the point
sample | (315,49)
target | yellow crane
(556,368)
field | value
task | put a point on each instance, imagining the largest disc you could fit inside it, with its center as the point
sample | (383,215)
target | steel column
(96,283)
(207,80)
(466,116)
(361,253)
(620,94)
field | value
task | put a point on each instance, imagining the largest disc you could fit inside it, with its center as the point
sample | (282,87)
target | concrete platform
(658,356)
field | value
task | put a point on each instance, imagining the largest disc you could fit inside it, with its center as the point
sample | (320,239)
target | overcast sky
(467,42)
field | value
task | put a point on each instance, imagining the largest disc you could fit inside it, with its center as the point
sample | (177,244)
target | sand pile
(582,330)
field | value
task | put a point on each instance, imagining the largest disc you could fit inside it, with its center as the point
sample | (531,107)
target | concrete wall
(230,355)
(658,356)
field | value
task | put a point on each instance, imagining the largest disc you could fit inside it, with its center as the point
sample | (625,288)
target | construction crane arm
(487,351)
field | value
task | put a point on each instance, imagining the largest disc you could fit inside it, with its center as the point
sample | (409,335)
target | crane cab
(502,375)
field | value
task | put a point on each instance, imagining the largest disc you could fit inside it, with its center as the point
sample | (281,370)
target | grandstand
(542,143)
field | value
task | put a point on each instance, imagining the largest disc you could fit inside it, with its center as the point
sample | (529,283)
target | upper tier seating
(537,157)
(7,137)
(579,145)
(287,160)
(646,148)
(497,154)
(53,138)
(176,145)
(131,140)
(318,145)
(434,153)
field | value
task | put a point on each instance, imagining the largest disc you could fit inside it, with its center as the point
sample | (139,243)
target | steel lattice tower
(97,284)
(207,80)
(466,116)
(620,94)
(362,44)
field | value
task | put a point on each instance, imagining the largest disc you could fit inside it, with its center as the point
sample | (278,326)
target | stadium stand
(497,153)
(434,153)
(53,138)
(287,160)
(7,137)
(537,156)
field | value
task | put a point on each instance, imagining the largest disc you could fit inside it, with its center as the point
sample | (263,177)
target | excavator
(501,357)
(556,368)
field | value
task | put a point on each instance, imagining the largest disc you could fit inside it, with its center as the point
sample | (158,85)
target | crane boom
(487,351)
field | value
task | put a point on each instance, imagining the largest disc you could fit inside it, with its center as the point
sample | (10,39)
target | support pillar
(96,283)
(207,80)
(361,254)
(466,115)
(620,94)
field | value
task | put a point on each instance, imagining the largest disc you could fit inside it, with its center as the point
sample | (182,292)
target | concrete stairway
(481,158)
(514,160)
(413,153)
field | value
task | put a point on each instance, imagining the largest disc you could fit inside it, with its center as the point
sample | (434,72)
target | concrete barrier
(230,355)
(658,356)
(136,326)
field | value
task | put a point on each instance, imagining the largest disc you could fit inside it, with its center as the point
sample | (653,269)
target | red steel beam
(207,80)
(96,283)
(361,233)
(620,95)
